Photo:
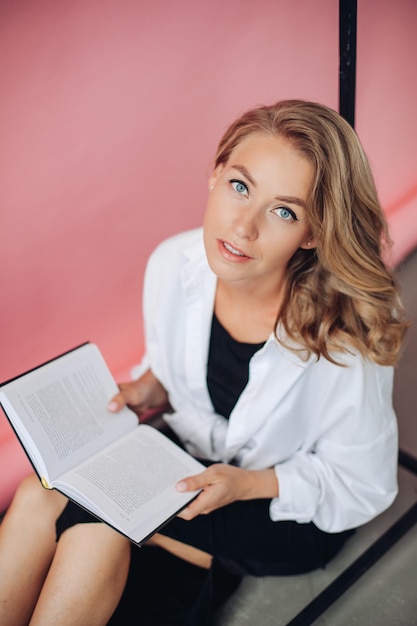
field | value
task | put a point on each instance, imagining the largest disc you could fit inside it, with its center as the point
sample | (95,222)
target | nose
(245,224)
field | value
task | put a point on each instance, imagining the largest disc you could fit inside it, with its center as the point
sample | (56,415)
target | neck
(253,295)
(248,314)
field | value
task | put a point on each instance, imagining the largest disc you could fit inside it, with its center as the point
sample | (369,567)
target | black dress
(163,590)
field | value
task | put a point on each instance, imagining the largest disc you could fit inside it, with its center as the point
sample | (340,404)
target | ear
(214,176)
(309,244)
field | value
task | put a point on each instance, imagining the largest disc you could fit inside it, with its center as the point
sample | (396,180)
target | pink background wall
(110,112)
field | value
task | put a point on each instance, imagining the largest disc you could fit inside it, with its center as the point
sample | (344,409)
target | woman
(272,332)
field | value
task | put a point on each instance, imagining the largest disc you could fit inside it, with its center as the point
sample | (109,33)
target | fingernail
(112,406)
(181,486)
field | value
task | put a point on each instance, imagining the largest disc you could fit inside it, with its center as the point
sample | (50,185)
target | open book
(121,471)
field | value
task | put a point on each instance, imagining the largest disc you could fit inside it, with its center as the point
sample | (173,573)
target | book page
(62,407)
(132,482)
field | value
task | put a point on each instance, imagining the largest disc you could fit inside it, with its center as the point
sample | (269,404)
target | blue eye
(239,186)
(286,214)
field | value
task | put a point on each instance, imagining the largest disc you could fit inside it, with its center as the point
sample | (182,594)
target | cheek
(206,219)
(282,246)
(212,214)
(209,224)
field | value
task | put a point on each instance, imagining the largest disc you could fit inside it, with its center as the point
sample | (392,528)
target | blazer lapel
(272,368)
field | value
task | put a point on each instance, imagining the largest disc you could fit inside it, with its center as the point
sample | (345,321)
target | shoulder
(355,398)
(351,364)
(348,376)
(171,255)
(178,245)
(356,382)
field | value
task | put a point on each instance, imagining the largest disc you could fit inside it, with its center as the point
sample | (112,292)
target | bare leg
(87,568)
(182,550)
(86,579)
(27,546)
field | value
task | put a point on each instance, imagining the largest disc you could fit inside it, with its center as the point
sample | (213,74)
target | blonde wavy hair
(341,295)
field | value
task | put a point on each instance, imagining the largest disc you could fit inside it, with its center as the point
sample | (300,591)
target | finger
(116,403)
(196,507)
(192,483)
(206,502)
(186,514)
(130,394)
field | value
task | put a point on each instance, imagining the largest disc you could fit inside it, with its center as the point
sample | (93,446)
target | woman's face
(256,215)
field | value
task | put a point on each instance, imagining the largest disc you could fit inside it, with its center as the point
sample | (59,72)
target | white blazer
(329,431)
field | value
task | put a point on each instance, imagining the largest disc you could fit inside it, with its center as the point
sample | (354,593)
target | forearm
(260,484)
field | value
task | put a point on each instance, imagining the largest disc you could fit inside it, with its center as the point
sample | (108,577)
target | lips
(232,252)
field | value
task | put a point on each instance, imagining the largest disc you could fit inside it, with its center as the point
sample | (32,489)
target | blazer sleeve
(348,475)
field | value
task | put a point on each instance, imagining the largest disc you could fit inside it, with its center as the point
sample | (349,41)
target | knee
(29,491)
(31,497)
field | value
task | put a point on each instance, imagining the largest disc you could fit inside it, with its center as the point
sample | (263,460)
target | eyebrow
(289,199)
(243,170)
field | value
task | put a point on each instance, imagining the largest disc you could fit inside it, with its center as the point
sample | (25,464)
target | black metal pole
(347,59)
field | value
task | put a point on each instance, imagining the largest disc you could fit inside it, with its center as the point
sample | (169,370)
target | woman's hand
(139,395)
(222,484)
